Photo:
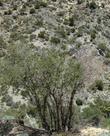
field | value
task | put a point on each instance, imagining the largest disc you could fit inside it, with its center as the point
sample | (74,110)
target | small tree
(47,79)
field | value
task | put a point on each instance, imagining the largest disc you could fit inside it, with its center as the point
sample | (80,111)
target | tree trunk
(70,109)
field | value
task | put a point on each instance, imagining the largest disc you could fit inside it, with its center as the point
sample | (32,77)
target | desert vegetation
(55,66)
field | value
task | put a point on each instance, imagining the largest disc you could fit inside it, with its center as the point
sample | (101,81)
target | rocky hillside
(81,28)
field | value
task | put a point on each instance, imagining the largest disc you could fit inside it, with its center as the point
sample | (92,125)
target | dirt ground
(88,131)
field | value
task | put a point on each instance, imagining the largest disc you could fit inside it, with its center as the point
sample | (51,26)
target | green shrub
(37,6)
(93,35)
(65,21)
(91,112)
(72,30)
(80,1)
(2,53)
(40,3)
(97,85)
(93,5)
(61,32)
(64,47)
(103,47)
(102,5)
(54,0)
(106,124)
(31,111)
(79,33)
(1,4)
(39,22)
(43,3)
(32,11)
(8,100)
(78,45)
(107,61)
(2,43)
(71,40)
(43,35)
(107,54)
(32,37)
(99,109)
(16,36)
(55,40)
(71,21)
(79,102)
(9,12)
(99,20)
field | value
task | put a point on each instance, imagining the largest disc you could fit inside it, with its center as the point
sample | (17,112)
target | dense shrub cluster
(43,35)
(104,50)
(55,40)
(97,85)
(92,5)
(98,112)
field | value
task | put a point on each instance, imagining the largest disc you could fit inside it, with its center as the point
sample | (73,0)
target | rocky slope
(81,29)
(75,26)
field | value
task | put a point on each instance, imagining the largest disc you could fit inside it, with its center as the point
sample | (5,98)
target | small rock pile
(17,128)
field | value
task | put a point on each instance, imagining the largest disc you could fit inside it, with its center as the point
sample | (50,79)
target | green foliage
(64,47)
(55,40)
(17,113)
(2,43)
(93,35)
(100,109)
(79,33)
(73,30)
(8,12)
(97,85)
(37,6)
(79,102)
(80,1)
(39,22)
(107,61)
(103,47)
(43,35)
(61,32)
(32,37)
(99,20)
(106,123)
(103,5)
(1,4)
(32,11)
(43,3)
(107,54)
(44,78)
(78,45)
(8,100)
(91,112)
(71,20)
(2,53)
(40,3)
(93,5)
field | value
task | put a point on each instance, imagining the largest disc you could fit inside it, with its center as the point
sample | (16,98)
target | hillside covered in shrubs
(55,65)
